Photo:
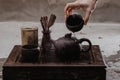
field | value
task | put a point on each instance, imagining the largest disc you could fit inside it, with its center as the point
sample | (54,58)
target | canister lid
(29,28)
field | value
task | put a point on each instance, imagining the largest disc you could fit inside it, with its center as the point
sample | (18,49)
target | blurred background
(103,28)
(31,10)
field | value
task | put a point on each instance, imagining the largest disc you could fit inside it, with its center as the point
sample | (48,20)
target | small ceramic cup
(29,53)
(74,22)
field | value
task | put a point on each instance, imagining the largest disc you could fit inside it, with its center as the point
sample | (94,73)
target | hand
(87,6)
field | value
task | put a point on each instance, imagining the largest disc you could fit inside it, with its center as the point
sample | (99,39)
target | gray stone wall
(31,10)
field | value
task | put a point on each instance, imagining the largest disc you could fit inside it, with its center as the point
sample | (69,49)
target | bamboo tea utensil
(42,23)
(51,20)
(47,24)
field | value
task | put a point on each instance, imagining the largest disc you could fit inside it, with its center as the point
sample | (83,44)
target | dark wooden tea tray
(90,66)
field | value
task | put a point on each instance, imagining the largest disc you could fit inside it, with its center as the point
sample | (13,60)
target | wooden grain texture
(90,66)
(91,58)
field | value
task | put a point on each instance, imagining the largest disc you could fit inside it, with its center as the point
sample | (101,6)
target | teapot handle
(85,40)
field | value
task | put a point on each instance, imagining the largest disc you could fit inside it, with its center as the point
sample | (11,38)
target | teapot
(68,47)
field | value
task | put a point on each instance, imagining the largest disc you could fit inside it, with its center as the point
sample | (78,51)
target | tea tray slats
(91,67)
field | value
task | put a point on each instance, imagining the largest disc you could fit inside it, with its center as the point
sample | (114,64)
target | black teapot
(68,48)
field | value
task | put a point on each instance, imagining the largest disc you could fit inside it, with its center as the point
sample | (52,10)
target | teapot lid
(68,35)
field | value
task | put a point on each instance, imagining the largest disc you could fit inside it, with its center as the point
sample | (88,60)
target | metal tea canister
(29,36)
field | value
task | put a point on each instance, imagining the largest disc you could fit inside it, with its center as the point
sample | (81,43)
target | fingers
(68,9)
(87,16)
(88,11)
(68,12)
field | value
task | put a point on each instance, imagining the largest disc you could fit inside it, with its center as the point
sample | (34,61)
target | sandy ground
(106,35)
